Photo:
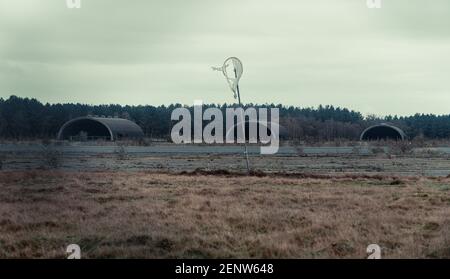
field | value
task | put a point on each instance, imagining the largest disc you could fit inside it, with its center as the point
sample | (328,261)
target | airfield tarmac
(431,162)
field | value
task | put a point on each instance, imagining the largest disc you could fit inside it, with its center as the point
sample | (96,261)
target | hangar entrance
(383,132)
(85,129)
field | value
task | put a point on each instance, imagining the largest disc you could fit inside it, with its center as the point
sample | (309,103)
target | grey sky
(393,60)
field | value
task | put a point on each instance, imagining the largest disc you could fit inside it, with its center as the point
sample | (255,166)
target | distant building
(95,128)
(383,131)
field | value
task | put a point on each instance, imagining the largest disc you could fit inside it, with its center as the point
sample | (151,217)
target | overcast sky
(393,60)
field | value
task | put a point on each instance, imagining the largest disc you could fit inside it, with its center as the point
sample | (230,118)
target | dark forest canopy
(24,118)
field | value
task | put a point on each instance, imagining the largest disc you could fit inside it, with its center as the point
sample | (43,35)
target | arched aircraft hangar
(382,131)
(95,128)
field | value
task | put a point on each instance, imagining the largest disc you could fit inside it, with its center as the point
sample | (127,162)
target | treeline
(24,118)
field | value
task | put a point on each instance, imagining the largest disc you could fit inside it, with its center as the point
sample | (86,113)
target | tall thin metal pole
(243,126)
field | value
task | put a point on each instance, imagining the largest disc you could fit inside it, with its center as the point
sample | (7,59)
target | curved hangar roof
(100,128)
(383,131)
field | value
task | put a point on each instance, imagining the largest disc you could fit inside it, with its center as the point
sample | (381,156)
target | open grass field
(113,214)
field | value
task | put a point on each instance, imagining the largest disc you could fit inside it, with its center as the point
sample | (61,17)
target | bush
(144,142)
(401,147)
(121,152)
(300,151)
(378,150)
(52,158)
(46,142)
(356,150)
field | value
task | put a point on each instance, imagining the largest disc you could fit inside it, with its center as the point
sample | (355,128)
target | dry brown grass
(158,215)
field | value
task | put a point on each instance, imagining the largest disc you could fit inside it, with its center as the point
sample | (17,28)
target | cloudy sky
(393,60)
